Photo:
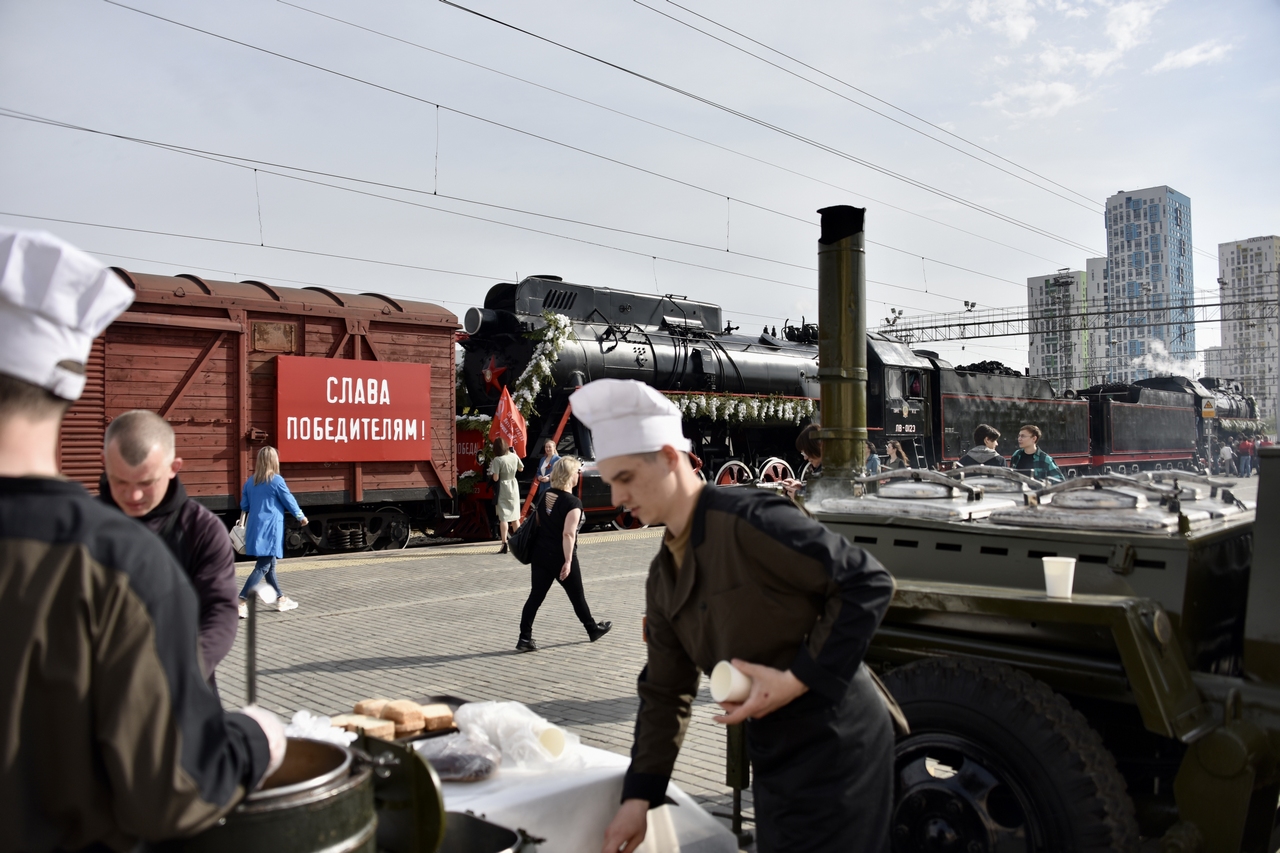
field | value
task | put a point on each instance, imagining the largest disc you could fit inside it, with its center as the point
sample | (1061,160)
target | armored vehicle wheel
(998,762)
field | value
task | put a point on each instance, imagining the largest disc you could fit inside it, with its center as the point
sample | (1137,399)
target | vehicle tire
(997,761)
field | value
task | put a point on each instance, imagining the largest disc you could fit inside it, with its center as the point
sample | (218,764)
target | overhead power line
(491,122)
(238,161)
(667,129)
(1093,206)
(784,132)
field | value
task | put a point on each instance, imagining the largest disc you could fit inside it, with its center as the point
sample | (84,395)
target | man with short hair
(743,575)
(141,479)
(111,735)
(983,452)
(1031,460)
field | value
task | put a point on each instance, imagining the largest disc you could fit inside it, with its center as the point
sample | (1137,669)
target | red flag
(509,423)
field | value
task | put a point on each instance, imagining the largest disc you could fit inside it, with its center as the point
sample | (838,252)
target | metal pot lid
(954,509)
(994,485)
(1095,499)
(915,490)
(1149,520)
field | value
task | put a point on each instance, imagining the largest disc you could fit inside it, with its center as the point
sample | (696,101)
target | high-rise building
(1150,283)
(1097,284)
(1247,278)
(1059,342)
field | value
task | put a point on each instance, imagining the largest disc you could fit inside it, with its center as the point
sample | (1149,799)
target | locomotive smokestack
(842,343)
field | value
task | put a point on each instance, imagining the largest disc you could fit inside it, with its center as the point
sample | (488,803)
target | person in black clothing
(984,451)
(555,555)
(141,480)
(897,456)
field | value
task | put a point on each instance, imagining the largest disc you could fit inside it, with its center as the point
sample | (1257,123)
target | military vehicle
(1144,710)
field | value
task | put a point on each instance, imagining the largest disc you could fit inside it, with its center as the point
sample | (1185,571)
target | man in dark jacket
(1031,460)
(743,575)
(984,451)
(142,481)
(111,734)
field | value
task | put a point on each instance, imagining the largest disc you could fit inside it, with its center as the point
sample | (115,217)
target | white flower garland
(552,339)
(744,408)
(473,421)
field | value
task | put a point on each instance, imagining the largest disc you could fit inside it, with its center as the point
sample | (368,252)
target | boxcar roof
(186,289)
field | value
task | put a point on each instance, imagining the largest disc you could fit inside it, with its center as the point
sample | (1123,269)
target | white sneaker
(244,609)
(286,603)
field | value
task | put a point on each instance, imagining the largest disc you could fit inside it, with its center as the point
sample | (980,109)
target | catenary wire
(229,160)
(333,255)
(667,129)
(390,90)
(889,104)
(782,131)
(615,161)
(1092,207)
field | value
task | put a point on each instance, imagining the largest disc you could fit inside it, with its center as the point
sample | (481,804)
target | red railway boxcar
(206,356)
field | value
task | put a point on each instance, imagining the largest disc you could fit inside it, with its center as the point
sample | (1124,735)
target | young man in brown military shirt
(743,575)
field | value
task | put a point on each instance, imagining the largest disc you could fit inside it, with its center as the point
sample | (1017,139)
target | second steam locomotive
(745,396)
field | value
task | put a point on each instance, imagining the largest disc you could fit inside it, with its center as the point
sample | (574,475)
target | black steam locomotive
(746,396)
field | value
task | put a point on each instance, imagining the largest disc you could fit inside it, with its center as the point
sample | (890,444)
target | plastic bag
(460,758)
(527,741)
(308,725)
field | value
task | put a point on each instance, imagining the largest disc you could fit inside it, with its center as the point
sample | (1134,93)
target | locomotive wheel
(775,470)
(624,520)
(388,530)
(996,761)
(734,473)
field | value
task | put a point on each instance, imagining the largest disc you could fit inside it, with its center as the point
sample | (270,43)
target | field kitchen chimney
(842,346)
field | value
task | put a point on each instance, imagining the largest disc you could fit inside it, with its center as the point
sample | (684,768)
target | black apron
(824,773)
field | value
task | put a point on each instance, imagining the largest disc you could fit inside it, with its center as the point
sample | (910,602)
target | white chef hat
(54,300)
(626,416)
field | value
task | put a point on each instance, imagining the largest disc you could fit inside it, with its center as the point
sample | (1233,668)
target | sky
(430,149)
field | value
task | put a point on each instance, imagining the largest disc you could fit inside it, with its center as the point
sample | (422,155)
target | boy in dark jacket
(141,480)
(1031,460)
(984,451)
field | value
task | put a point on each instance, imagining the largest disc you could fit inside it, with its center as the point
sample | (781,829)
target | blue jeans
(265,567)
(1246,466)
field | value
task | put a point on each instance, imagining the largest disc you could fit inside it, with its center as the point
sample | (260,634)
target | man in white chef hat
(111,733)
(743,575)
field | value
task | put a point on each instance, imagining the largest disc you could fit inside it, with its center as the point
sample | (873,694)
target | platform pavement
(444,620)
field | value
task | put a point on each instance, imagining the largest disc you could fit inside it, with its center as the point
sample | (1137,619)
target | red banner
(342,410)
(509,423)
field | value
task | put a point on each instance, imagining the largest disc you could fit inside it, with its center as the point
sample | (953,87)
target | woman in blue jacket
(266,499)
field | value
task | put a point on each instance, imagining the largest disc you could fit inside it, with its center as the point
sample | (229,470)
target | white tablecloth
(570,808)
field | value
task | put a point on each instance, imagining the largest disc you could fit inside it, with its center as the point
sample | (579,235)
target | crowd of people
(1237,457)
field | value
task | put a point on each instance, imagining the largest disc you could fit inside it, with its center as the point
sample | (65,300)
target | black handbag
(520,543)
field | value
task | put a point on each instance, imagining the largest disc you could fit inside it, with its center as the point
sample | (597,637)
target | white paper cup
(1059,576)
(729,684)
(552,740)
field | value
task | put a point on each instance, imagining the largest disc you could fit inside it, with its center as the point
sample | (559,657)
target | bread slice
(372,726)
(406,731)
(404,714)
(437,717)
(371,707)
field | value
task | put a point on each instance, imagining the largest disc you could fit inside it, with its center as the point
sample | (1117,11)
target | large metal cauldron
(320,799)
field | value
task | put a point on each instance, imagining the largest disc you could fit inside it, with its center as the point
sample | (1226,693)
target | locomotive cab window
(893,384)
(915,384)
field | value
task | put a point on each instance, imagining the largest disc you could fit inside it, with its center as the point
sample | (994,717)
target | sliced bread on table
(436,717)
(371,707)
(405,714)
(372,726)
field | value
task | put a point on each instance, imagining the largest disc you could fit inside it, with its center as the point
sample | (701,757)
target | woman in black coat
(555,554)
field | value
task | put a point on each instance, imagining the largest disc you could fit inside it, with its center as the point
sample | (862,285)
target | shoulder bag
(520,543)
(237,534)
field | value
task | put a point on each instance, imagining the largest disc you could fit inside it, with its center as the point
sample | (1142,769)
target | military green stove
(1141,712)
